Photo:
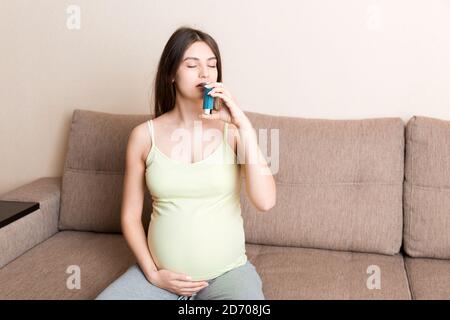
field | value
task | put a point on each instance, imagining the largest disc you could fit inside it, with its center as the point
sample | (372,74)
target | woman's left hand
(225,107)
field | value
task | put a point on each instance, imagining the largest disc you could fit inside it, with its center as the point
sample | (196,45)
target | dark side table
(11,211)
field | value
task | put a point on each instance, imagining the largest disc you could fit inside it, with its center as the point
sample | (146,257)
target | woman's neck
(186,115)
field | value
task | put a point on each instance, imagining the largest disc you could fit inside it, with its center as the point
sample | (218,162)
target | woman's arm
(259,182)
(133,200)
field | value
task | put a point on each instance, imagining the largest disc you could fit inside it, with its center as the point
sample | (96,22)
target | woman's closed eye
(196,66)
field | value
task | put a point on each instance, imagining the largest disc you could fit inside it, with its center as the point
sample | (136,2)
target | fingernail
(188,277)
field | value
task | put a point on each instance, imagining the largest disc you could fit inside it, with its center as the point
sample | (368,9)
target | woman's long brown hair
(181,39)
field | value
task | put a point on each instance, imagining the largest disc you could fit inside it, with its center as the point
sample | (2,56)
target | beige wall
(325,59)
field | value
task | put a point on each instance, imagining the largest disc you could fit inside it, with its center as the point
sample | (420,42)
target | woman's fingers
(182,277)
(192,290)
(221,90)
(189,284)
(186,286)
(187,292)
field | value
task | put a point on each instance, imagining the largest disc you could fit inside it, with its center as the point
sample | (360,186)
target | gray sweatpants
(241,283)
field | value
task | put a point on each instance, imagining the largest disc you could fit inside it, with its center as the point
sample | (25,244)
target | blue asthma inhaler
(208,101)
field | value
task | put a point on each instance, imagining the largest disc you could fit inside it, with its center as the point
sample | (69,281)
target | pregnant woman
(195,248)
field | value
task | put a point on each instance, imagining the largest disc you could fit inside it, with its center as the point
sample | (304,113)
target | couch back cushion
(91,191)
(427,188)
(339,184)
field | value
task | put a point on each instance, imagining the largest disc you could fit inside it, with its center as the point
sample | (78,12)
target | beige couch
(363,212)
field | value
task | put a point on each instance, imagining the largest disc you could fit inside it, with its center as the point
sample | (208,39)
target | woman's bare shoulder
(140,138)
(143,133)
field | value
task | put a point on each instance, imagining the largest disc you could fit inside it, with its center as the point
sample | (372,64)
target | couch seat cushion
(301,273)
(429,278)
(40,273)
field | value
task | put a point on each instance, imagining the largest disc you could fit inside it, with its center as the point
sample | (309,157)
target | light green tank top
(196,226)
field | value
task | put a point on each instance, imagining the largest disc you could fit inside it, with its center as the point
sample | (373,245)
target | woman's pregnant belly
(202,247)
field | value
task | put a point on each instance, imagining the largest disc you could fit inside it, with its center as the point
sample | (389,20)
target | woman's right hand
(177,283)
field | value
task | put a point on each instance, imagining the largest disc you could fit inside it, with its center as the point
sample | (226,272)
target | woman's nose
(204,73)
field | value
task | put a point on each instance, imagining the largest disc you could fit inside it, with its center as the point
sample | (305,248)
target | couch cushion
(40,273)
(429,278)
(301,273)
(427,188)
(339,185)
(92,181)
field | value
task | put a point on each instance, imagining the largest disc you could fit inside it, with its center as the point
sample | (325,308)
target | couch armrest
(25,233)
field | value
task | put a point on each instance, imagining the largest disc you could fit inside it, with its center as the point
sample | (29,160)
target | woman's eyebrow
(194,58)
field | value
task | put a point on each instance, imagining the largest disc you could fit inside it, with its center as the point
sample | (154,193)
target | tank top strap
(152,132)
